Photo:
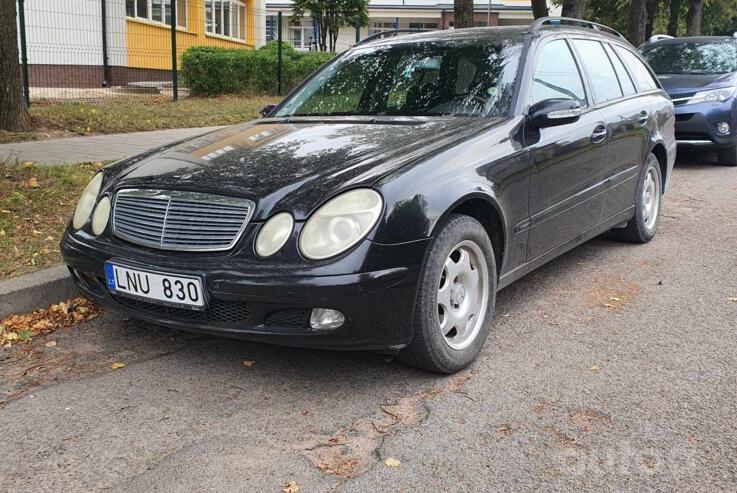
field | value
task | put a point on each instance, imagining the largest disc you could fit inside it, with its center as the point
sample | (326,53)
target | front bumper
(696,125)
(274,304)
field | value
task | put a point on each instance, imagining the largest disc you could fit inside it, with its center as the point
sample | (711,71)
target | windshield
(692,58)
(413,79)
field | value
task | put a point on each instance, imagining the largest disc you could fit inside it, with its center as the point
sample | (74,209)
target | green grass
(36,203)
(135,114)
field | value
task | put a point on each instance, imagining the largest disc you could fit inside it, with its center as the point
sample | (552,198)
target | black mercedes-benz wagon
(383,203)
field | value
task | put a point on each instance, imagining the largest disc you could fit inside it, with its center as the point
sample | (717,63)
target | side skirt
(583,237)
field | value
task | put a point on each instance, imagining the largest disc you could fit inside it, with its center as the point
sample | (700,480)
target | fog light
(325,318)
(723,128)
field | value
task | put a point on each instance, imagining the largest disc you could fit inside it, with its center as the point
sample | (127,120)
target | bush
(211,70)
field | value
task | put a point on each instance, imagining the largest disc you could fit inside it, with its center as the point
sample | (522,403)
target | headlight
(274,234)
(100,216)
(340,224)
(713,96)
(87,202)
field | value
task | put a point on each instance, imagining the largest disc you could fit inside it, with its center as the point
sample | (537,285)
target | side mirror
(554,112)
(266,110)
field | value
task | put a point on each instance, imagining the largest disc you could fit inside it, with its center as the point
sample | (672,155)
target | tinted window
(639,71)
(624,79)
(596,63)
(462,78)
(556,74)
(692,58)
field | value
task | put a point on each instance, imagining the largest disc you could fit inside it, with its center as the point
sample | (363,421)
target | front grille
(185,221)
(221,313)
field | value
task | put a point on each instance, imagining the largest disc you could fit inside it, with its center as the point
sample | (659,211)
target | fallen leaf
(733,299)
(50,344)
(290,487)
(33,182)
(117,366)
(392,462)
(248,363)
(504,430)
(595,368)
(608,305)
(615,298)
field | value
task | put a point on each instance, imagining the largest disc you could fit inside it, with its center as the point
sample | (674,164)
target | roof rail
(537,24)
(393,32)
(659,37)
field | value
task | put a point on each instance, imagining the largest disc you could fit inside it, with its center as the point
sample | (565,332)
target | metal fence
(101,49)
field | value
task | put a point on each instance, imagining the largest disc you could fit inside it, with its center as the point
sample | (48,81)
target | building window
(380,27)
(301,33)
(226,18)
(156,11)
(424,25)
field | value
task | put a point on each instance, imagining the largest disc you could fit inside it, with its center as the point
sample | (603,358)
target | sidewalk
(97,147)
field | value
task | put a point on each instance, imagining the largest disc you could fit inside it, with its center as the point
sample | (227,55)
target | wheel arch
(662,155)
(487,211)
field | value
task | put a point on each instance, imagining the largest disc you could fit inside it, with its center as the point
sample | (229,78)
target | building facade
(386,15)
(92,43)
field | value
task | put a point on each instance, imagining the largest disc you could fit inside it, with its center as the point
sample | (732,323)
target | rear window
(596,63)
(639,71)
(692,58)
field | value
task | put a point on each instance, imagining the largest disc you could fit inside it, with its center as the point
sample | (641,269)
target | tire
(442,341)
(643,226)
(728,157)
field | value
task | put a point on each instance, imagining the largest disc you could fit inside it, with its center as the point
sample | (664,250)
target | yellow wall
(149,43)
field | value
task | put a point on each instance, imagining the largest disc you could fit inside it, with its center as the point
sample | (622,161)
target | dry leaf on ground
(65,314)
(392,462)
(290,487)
(117,366)
(248,363)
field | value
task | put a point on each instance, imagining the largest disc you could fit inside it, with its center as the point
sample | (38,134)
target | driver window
(556,74)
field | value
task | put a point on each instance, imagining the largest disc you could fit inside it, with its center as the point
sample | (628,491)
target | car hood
(677,84)
(292,164)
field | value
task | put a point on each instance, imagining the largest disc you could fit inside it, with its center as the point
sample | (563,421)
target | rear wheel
(728,157)
(642,227)
(455,300)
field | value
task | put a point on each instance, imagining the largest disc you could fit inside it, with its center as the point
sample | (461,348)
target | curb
(36,290)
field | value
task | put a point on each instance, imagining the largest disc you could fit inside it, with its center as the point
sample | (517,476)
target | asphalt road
(567,393)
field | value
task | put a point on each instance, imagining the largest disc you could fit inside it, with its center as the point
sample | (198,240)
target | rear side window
(556,74)
(624,79)
(596,63)
(639,71)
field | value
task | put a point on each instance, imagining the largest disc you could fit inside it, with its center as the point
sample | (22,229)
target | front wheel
(642,227)
(455,300)
(728,157)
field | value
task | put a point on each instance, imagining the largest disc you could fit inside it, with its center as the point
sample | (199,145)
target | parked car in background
(700,74)
(384,202)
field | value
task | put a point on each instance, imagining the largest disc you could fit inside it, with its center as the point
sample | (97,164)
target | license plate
(158,287)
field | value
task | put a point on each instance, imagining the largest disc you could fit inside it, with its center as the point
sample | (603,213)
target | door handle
(599,134)
(643,119)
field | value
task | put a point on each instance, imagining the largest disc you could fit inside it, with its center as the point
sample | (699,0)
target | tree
(330,16)
(539,8)
(693,17)
(13,113)
(462,13)
(674,14)
(572,8)
(637,20)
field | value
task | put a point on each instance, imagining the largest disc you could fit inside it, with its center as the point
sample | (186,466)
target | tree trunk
(539,8)
(693,17)
(637,20)
(13,113)
(462,13)
(651,6)
(572,8)
(674,16)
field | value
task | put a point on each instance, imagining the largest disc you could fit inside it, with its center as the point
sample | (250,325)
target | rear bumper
(274,306)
